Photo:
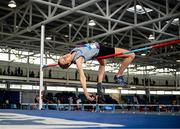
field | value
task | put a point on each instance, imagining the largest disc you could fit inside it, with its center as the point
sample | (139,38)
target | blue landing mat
(126,119)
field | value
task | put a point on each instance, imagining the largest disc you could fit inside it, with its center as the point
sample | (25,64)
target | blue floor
(127,119)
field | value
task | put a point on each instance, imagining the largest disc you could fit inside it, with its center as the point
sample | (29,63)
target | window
(160,92)
(111,91)
(4,56)
(92,90)
(2,85)
(140,92)
(26,87)
(17,86)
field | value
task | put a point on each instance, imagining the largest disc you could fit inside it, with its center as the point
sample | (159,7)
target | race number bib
(91,46)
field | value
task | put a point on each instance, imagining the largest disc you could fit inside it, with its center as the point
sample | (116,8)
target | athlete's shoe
(100,91)
(120,80)
(100,88)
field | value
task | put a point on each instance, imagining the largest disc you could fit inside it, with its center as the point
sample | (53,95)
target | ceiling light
(174,22)
(92,23)
(139,9)
(12,4)
(70,25)
(143,54)
(66,36)
(178,61)
(48,38)
(151,37)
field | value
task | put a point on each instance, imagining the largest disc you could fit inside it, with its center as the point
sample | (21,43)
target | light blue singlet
(88,51)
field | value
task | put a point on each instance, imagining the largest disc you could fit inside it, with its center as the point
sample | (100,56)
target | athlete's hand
(89,96)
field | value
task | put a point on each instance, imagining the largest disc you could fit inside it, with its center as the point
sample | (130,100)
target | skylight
(139,9)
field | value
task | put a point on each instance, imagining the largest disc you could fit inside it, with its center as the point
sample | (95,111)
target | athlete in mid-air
(91,51)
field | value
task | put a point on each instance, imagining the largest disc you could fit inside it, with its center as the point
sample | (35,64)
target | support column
(179,26)
(9,55)
(27,69)
(41,87)
(87,34)
(77,93)
(135,12)
(70,28)
(128,75)
(176,80)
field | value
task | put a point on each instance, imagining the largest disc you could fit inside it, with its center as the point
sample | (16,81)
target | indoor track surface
(49,119)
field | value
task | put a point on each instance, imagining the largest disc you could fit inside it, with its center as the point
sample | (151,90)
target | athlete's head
(65,61)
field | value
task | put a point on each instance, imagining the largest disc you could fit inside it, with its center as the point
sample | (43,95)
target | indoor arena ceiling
(118,24)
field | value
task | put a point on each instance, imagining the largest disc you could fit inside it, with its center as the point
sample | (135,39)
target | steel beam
(55,17)
(134,26)
(155,42)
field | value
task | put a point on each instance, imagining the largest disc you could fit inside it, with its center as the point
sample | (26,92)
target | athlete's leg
(101,71)
(128,58)
(100,88)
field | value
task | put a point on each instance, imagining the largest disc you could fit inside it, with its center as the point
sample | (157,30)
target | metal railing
(114,108)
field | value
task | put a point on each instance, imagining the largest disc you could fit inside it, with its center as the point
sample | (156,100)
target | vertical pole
(97,107)
(167,6)
(82,107)
(128,75)
(144,77)
(2,29)
(107,14)
(135,12)
(41,88)
(70,26)
(112,40)
(107,8)
(77,93)
(9,54)
(20,97)
(159,15)
(49,9)
(153,32)
(27,69)
(113,108)
(73,3)
(87,34)
(149,95)
(179,26)
(30,15)
(176,79)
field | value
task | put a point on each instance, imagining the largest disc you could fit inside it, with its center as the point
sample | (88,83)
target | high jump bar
(129,52)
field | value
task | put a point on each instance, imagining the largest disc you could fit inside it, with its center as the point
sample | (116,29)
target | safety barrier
(134,108)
